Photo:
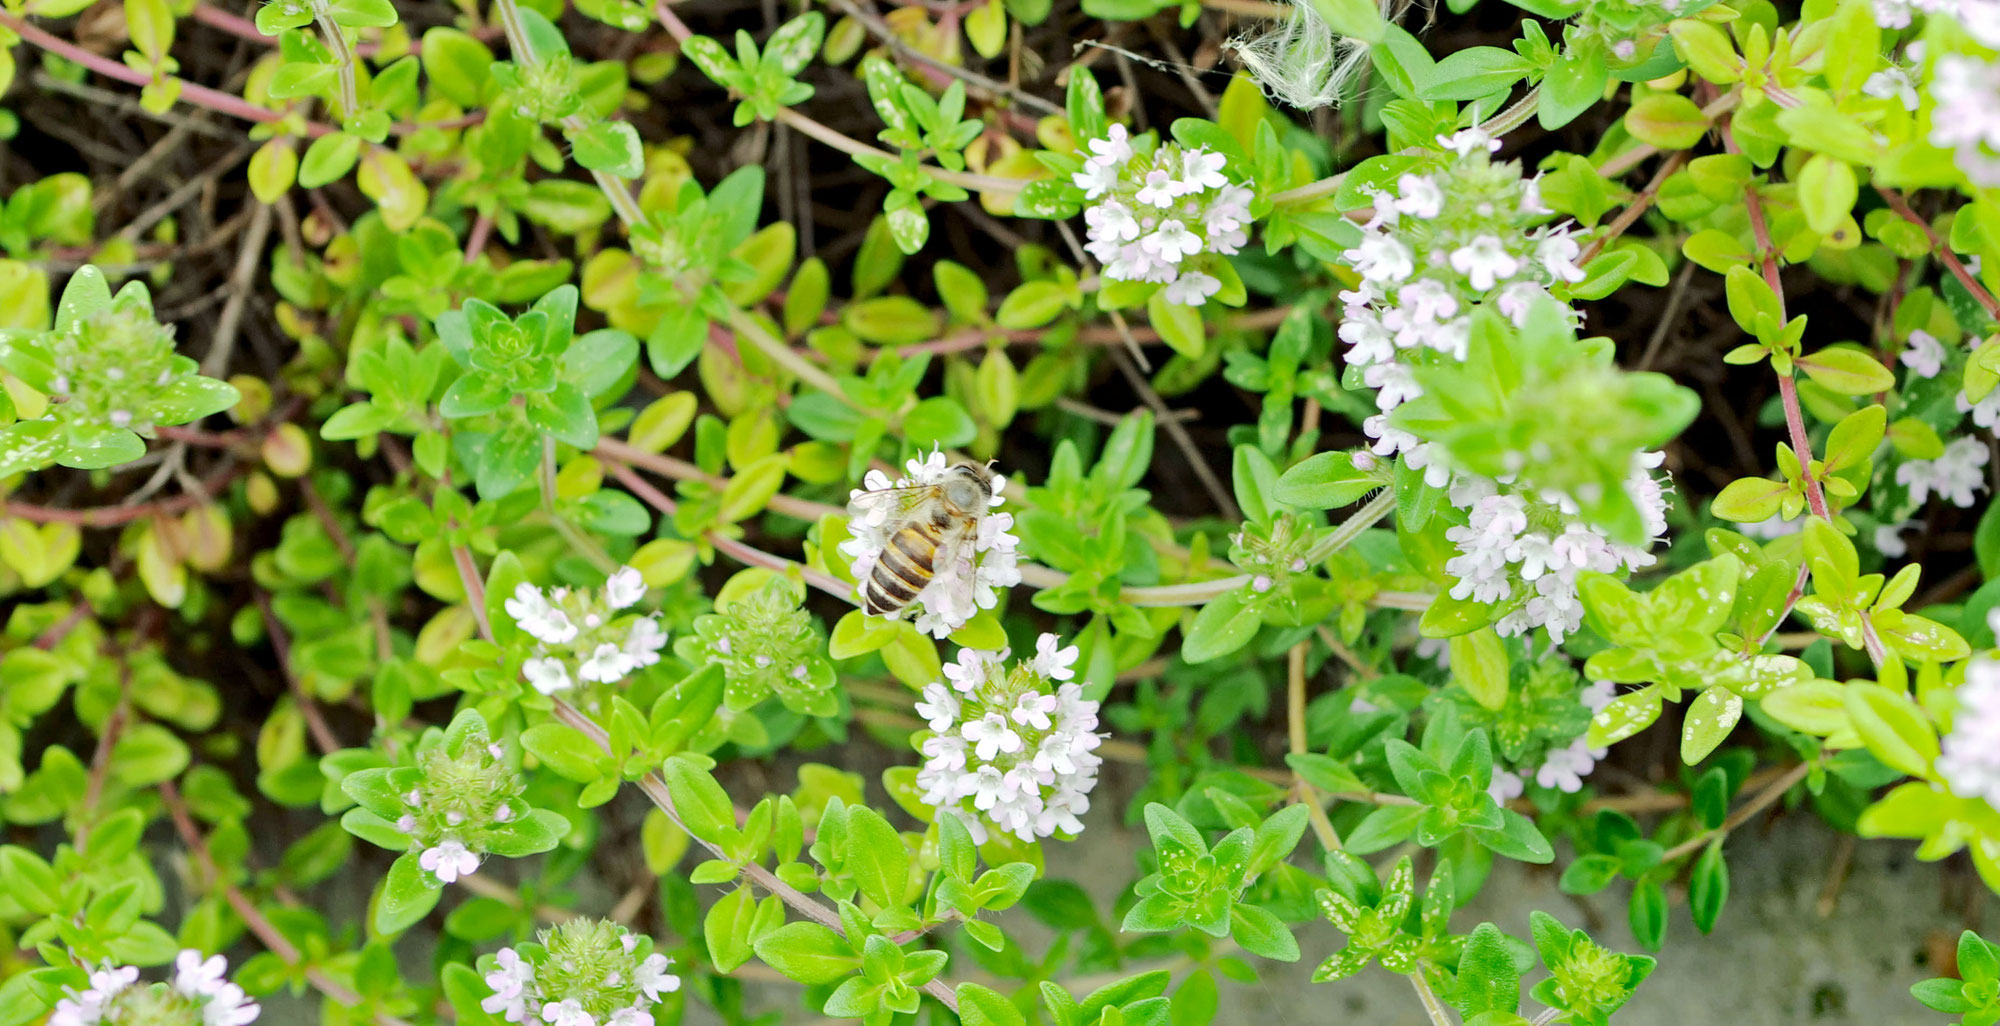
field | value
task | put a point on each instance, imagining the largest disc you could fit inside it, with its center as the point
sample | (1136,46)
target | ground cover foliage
(495,457)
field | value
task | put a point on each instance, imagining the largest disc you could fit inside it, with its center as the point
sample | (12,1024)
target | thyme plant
(488,442)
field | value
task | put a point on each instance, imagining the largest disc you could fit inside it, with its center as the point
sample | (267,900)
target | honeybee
(930,528)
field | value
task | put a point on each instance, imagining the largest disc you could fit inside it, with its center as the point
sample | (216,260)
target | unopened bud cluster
(459,792)
(114,365)
(766,644)
(546,91)
(1630,29)
(585,972)
(1272,553)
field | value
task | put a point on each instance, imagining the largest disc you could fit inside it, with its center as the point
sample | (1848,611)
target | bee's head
(969,487)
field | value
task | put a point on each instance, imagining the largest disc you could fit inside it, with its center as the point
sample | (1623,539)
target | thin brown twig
(118,516)
(1763,799)
(1634,210)
(1295,722)
(740,551)
(269,935)
(992,87)
(281,645)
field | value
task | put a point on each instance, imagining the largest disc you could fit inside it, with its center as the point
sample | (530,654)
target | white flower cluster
(1014,747)
(1893,83)
(1970,759)
(957,590)
(1441,243)
(1519,544)
(1154,215)
(1957,475)
(454,801)
(1562,769)
(1924,355)
(1980,17)
(1985,412)
(1966,118)
(584,973)
(1438,246)
(1888,537)
(576,629)
(198,994)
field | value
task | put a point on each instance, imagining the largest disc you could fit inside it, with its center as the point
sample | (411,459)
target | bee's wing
(954,553)
(889,508)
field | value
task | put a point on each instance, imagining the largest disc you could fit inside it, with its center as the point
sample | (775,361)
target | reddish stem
(1788,389)
(1795,423)
(1951,262)
(675,26)
(475,587)
(281,645)
(1788,394)
(614,451)
(199,95)
(243,28)
(1635,209)
(272,938)
(475,240)
(743,553)
(60,629)
(115,516)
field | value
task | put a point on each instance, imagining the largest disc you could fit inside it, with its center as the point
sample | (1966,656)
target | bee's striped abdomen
(906,565)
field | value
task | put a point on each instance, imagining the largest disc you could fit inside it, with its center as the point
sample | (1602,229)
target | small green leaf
(1224,625)
(1708,888)
(807,952)
(1329,480)
(1710,718)
(1669,121)
(1894,728)
(408,894)
(609,146)
(1487,978)
(1479,664)
(984,1006)
(703,806)
(1848,371)
(1649,914)
(876,857)
(1180,326)
(1261,933)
